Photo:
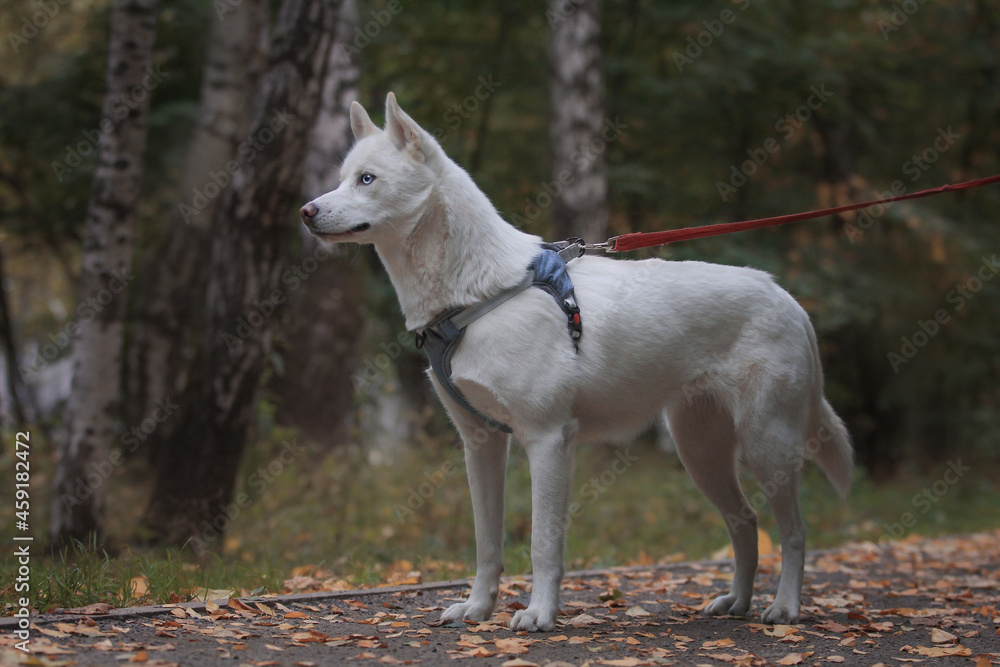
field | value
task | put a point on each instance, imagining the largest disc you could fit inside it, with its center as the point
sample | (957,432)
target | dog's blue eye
(366,179)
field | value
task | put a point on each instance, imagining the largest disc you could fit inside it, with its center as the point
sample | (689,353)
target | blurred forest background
(197,374)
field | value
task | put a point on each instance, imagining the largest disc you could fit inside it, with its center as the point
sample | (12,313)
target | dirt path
(935,601)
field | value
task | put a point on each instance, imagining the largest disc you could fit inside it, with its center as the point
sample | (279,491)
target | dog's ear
(361,124)
(403,131)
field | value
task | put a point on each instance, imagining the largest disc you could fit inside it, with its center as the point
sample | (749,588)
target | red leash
(648,239)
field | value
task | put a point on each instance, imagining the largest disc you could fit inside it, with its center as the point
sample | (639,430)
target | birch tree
(324,333)
(171,286)
(253,224)
(85,457)
(576,98)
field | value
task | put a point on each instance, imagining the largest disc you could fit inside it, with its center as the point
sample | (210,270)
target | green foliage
(891,84)
(477,73)
(342,520)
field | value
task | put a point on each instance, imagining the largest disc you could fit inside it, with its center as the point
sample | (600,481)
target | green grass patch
(340,519)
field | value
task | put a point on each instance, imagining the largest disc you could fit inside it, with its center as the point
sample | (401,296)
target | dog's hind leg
(550,459)
(706,444)
(486,464)
(780,484)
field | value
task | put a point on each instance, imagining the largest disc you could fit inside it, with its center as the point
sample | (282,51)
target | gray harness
(440,338)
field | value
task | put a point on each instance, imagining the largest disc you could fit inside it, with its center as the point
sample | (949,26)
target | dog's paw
(470,610)
(786,614)
(728,605)
(534,620)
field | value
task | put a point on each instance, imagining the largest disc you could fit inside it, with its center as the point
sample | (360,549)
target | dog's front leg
(486,463)
(550,458)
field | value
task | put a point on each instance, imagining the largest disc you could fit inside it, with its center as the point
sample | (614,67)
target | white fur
(724,353)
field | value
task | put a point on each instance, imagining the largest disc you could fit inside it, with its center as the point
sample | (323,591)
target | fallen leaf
(234,603)
(939,636)
(613,594)
(943,651)
(141,656)
(583,620)
(97,608)
(780,631)
(296,614)
(791,659)
(83,628)
(518,662)
(637,611)
(512,646)
(46,631)
(835,658)
(831,626)
(139,585)
(206,594)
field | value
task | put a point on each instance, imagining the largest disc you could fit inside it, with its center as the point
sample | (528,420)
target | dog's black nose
(308,211)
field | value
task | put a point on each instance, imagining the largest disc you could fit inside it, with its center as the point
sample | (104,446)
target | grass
(344,520)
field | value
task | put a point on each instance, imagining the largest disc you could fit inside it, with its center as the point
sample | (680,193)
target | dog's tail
(830,446)
(828,442)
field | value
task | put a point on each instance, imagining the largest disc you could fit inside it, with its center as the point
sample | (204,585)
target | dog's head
(385,180)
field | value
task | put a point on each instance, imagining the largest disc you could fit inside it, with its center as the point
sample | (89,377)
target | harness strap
(441,336)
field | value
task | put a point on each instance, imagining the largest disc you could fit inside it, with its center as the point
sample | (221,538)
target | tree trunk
(254,222)
(171,288)
(576,95)
(323,335)
(22,405)
(86,456)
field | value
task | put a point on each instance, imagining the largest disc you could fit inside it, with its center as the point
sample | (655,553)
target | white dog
(727,356)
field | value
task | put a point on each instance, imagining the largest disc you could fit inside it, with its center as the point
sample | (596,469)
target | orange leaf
(939,636)
(512,645)
(234,603)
